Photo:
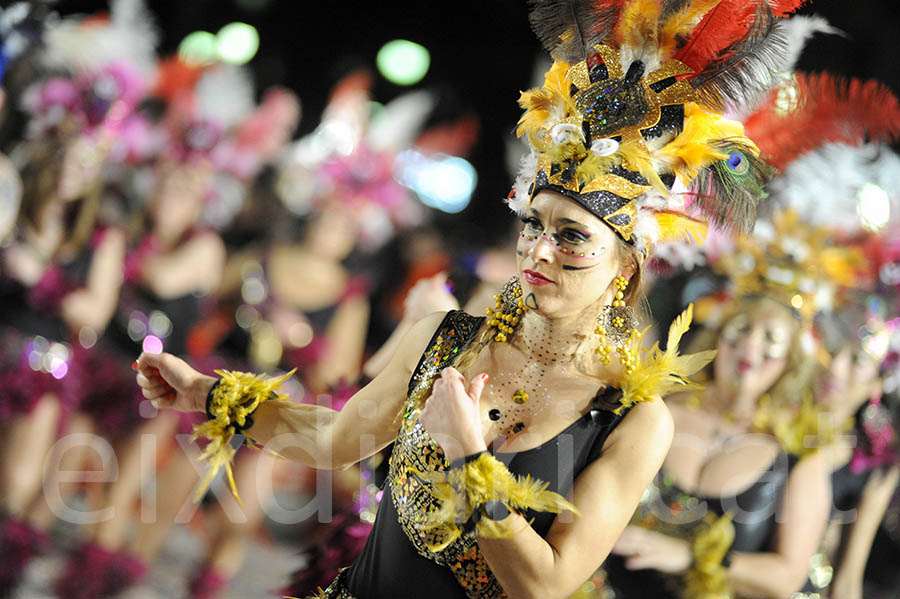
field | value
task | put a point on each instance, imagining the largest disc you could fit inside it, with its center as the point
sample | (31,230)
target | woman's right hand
(170,383)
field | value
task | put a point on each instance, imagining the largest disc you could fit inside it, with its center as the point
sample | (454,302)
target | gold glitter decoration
(617,185)
(336,590)
(415,450)
(636,108)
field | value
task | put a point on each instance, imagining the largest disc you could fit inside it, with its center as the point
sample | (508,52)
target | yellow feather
(462,490)
(691,150)
(639,23)
(235,398)
(659,373)
(673,227)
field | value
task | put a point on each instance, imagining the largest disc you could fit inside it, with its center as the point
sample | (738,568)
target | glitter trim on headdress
(634,101)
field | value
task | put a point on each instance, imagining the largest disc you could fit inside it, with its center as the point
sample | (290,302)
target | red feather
(783,8)
(829,109)
(724,26)
(720,28)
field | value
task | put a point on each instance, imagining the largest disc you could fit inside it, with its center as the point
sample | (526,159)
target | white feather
(527,169)
(396,126)
(224,95)
(129,36)
(823,185)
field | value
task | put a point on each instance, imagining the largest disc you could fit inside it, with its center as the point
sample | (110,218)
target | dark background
(482,54)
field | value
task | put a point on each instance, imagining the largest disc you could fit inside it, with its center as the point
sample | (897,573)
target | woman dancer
(527,382)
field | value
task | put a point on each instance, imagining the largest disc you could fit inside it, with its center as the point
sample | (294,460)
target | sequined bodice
(415,450)
(396,562)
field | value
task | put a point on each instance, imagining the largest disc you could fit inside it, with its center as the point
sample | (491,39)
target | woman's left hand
(452,416)
(647,549)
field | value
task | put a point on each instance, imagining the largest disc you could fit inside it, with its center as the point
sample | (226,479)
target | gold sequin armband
(708,576)
(484,481)
(230,405)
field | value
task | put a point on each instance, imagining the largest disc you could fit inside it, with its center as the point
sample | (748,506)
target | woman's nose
(543,250)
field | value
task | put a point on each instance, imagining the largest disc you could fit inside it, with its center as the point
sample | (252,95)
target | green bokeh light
(237,43)
(403,62)
(198,48)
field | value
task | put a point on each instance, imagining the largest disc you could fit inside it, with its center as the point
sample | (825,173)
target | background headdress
(634,101)
(105,64)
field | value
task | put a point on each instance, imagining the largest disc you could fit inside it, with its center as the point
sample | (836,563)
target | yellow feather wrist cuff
(230,405)
(463,490)
(708,578)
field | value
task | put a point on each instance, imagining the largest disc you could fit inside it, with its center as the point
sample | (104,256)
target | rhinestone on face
(520,396)
(495,414)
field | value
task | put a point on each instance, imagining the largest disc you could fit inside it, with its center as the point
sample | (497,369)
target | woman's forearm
(523,564)
(872,506)
(765,575)
(300,432)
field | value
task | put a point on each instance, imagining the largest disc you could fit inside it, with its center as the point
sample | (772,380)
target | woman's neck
(549,340)
(737,407)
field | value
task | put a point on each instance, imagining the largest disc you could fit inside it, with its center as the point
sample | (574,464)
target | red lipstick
(535,278)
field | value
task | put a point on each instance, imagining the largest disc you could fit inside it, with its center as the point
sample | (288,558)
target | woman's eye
(532,223)
(572,236)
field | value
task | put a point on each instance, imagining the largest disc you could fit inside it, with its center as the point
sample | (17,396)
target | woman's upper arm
(369,421)
(804,514)
(608,490)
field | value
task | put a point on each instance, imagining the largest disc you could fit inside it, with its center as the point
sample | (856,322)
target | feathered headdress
(634,101)
(108,63)
(792,262)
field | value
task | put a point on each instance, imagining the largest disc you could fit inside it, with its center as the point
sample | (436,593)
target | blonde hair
(790,387)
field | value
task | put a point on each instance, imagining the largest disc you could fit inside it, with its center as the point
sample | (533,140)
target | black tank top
(669,510)
(394,563)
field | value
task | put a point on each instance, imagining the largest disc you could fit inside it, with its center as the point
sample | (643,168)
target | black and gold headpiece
(634,101)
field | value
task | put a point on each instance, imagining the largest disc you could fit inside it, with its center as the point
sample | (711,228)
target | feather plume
(521,189)
(569,28)
(814,109)
(396,125)
(783,8)
(691,150)
(729,190)
(678,24)
(832,201)
(719,29)
(546,105)
(638,33)
(87,44)
(680,227)
(224,95)
(659,373)
(462,490)
(749,69)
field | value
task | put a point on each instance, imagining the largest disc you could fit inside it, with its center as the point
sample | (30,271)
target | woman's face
(180,197)
(332,233)
(753,348)
(849,380)
(82,164)
(566,257)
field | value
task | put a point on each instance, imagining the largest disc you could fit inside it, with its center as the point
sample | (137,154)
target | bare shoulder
(416,340)
(648,427)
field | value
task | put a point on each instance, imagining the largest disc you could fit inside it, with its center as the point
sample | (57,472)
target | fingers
(639,562)
(477,386)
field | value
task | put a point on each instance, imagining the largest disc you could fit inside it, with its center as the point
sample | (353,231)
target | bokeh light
(237,43)
(198,48)
(873,207)
(403,62)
